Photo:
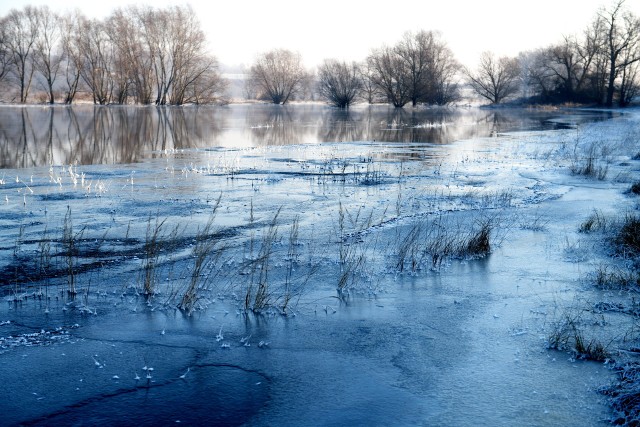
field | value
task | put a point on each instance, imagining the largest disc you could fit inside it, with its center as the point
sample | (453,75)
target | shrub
(635,188)
(478,244)
(627,239)
(595,222)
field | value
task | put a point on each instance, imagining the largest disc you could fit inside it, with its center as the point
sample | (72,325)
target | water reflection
(42,136)
(278,125)
(342,125)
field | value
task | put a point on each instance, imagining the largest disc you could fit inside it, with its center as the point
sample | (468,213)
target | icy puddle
(301,266)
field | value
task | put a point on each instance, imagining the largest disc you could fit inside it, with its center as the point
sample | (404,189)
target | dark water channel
(92,135)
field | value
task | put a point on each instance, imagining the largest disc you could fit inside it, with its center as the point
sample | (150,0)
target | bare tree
(202,84)
(48,54)
(132,62)
(629,81)
(622,43)
(150,55)
(495,78)
(589,52)
(420,69)
(208,86)
(416,53)
(74,59)
(389,74)
(278,75)
(596,85)
(536,79)
(571,70)
(141,50)
(158,44)
(569,67)
(568,71)
(171,58)
(339,82)
(370,91)
(97,52)
(187,53)
(442,86)
(5,55)
(20,28)
(563,64)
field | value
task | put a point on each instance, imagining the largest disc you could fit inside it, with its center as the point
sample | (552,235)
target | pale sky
(238,30)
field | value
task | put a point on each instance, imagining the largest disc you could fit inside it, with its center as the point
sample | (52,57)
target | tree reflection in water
(33,136)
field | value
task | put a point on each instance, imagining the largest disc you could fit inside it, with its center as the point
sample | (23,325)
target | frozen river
(264,265)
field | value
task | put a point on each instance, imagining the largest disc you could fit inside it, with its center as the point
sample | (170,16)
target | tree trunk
(51,97)
(611,83)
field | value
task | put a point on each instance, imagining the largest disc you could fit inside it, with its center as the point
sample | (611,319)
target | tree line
(145,55)
(419,69)
(136,55)
(599,66)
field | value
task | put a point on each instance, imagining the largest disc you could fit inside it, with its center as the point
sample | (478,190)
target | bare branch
(339,82)
(278,75)
(495,78)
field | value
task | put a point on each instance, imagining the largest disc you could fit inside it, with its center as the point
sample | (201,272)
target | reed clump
(434,242)
(152,247)
(206,253)
(567,335)
(258,295)
(597,221)
(70,241)
(593,163)
(627,238)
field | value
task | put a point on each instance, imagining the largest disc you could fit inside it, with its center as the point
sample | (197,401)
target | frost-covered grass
(569,333)
(618,274)
(593,162)
(391,217)
(635,188)
(625,394)
(627,237)
(433,242)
